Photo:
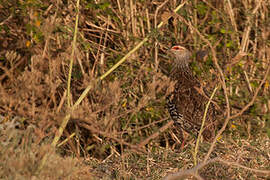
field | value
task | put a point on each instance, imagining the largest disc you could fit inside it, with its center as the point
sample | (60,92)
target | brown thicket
(117,120)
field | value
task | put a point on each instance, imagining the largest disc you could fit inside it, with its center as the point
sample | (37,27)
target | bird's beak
(168,50)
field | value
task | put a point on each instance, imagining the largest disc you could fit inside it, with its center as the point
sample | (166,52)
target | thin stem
(202,126)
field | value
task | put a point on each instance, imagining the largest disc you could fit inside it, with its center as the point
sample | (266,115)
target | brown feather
(186,105)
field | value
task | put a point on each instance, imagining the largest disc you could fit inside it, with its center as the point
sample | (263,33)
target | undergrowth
(121,128)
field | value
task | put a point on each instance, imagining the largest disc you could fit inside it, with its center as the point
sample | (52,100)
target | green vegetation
(119,128)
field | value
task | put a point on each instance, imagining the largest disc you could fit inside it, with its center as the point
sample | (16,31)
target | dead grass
(116,122)
(21,156)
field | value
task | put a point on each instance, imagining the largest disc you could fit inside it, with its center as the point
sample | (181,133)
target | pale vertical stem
(72,54)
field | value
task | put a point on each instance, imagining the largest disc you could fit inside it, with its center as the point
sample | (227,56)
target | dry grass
(95,89)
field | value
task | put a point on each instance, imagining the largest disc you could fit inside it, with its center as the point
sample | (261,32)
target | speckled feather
(185,104)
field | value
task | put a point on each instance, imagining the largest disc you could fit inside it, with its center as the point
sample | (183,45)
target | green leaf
(223,31)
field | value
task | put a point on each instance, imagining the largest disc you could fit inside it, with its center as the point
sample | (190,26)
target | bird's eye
(177,48)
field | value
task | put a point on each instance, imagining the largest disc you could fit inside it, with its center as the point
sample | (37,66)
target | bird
(186,104)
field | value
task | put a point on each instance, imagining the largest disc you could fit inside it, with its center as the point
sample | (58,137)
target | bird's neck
(184,75)
(182,66)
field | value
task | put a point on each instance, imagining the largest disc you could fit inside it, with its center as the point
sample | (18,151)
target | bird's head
(180,55)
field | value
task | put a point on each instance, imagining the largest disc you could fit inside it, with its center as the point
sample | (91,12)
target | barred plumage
(185,104)
(178,118)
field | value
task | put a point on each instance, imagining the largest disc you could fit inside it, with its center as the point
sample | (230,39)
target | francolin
(186,104)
